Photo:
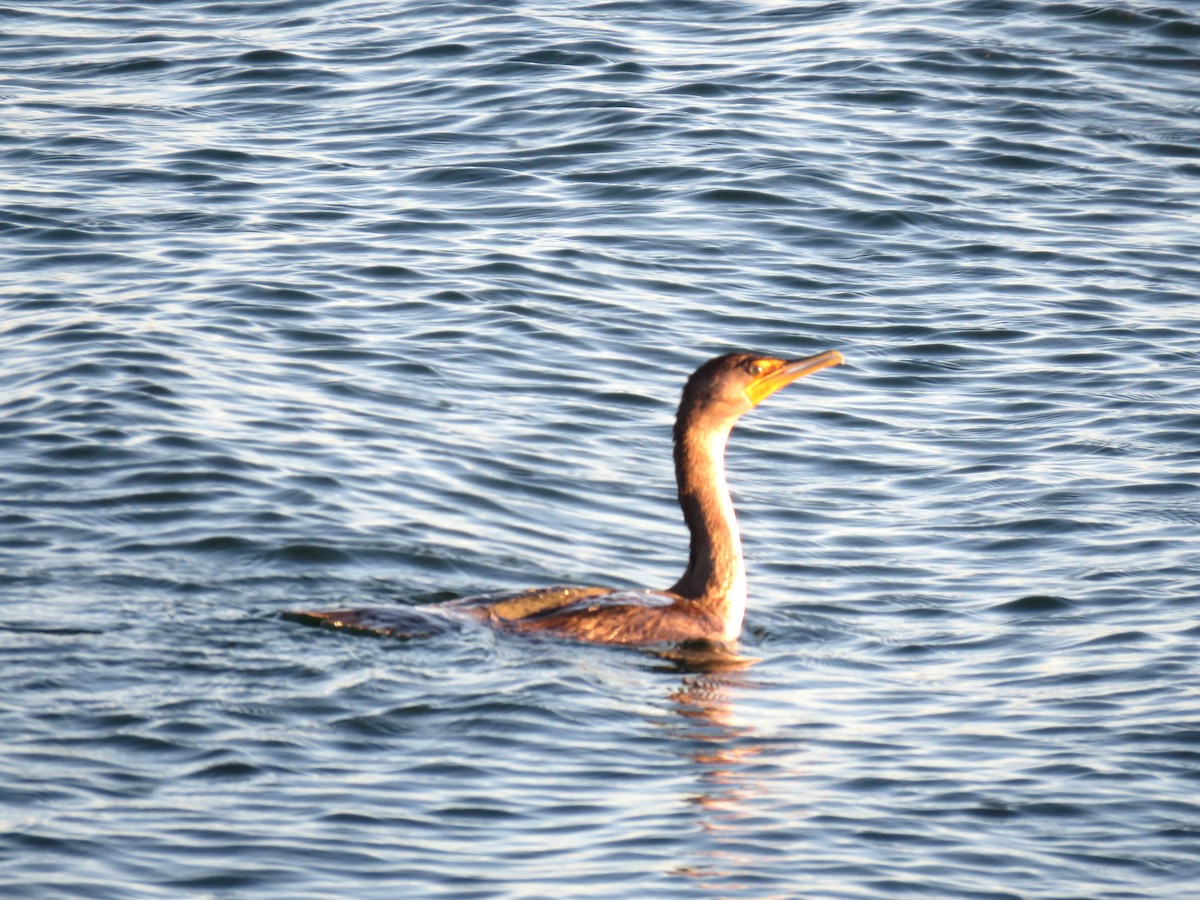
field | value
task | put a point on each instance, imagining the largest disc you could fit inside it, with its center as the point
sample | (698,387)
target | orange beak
(784,372)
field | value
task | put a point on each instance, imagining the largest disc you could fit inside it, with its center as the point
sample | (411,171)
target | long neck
(715,575)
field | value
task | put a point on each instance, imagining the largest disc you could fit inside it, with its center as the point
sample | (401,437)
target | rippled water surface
(370,303)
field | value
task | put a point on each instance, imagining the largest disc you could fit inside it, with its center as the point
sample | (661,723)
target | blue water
(315,304)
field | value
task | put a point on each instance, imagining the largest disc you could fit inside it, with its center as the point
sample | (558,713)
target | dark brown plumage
(708,601)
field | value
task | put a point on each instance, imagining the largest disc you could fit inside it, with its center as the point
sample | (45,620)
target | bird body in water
(708,601)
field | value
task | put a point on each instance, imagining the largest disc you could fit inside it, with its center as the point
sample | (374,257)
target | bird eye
(754,368)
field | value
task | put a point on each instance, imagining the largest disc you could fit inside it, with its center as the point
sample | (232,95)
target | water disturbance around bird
(351,304)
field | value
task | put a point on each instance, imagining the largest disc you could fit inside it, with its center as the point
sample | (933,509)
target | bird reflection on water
(720,750)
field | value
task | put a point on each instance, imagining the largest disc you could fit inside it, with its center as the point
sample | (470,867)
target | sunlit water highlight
(362,303)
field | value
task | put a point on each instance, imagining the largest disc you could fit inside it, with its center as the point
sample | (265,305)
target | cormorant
(708,601)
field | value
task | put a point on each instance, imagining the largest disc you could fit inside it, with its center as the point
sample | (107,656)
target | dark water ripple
(314,303)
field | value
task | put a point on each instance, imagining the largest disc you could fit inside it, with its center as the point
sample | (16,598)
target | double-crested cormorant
(707,603)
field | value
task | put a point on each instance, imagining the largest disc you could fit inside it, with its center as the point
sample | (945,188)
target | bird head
(728,386)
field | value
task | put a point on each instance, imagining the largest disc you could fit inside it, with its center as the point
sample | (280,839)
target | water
(364,303)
